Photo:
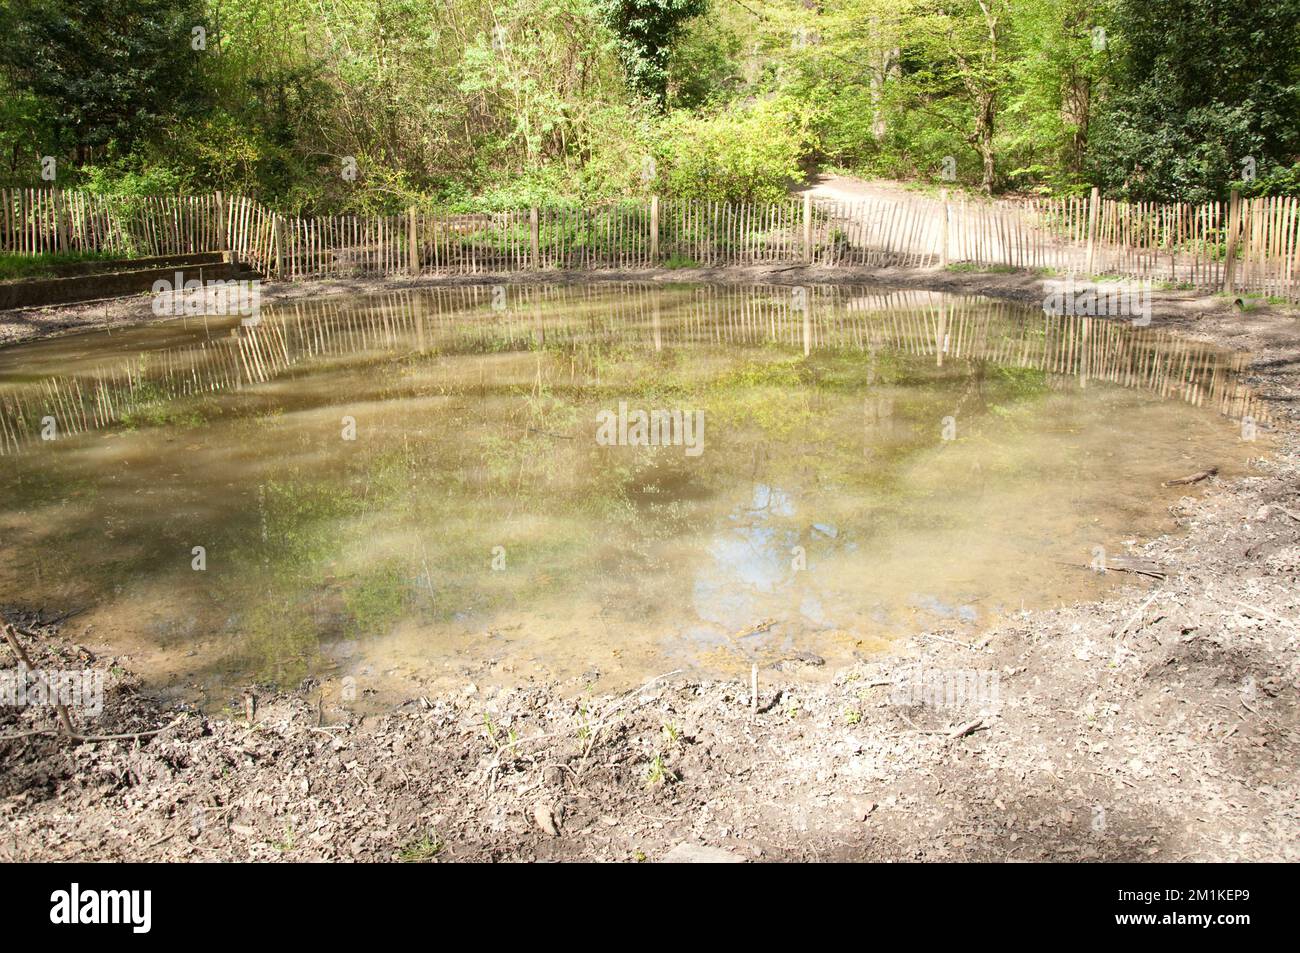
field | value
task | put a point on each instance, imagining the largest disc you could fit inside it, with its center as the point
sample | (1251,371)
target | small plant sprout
(584,723)
(421,851)
(658,774)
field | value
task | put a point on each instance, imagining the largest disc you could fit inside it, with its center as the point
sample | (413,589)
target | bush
(749,155)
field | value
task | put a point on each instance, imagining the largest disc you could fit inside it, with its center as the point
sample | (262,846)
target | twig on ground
(1193,478)
(65,720)
(600,722)
(944,638)
(1141,610)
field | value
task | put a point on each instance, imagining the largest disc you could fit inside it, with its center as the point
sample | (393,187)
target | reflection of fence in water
(463,319)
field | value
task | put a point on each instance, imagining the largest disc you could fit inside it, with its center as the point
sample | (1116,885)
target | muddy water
(448,486)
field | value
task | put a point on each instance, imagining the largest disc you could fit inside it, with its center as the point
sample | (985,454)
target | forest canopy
(326,105)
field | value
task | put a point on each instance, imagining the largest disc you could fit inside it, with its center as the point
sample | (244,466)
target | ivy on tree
(646,30)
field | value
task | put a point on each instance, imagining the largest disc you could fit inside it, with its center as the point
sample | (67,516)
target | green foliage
(1276,180)
(44,266)
(1059,69)
(645,31)
(421,851)
(704,67)
(539,102)
(1203,87)
(751,154)
(115,70)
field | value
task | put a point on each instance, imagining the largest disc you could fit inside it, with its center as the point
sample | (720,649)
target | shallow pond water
(458,485)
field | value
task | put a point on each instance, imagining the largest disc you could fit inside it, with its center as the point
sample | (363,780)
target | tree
(115,68)
(1058,74)
(960,53)
(1204,89)
(646,30)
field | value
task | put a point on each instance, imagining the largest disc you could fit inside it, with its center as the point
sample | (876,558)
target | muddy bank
(1158,725)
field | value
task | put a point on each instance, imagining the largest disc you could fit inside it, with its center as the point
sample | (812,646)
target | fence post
(60,220)
(654,230)
(535,238)
(223,239)
(1094,202)
(412,248)
(807,228)
(943,240)
(1230,253)
(279,247)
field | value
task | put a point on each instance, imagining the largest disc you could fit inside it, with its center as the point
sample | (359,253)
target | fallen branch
(944,638)
(1194,478)
(65,720)
(1139,567)
(970,727)
(66,728)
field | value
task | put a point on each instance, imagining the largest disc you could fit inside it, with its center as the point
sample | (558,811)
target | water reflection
(221,355)
(408,488)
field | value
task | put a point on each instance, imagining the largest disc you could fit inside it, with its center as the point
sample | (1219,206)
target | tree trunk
(984,126)
(1075,104)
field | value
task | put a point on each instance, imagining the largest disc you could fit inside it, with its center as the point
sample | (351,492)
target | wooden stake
(1230,254)
(654,230)
(807,228)
(1093,202)
(943,236)
(534,239)
(412,247)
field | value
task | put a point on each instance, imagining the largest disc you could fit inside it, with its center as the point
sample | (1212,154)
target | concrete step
(46,292)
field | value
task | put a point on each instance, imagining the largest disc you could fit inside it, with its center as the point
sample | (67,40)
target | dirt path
(845,188)
(1161,724)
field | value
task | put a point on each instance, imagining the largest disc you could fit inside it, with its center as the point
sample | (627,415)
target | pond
(596,483)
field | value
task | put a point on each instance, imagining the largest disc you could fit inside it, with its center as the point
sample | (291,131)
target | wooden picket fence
(43,221)
(1237,246)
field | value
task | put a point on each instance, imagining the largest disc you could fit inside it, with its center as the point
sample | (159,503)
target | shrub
(747,155)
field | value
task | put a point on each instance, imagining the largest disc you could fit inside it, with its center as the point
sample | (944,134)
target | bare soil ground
(1159,725)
